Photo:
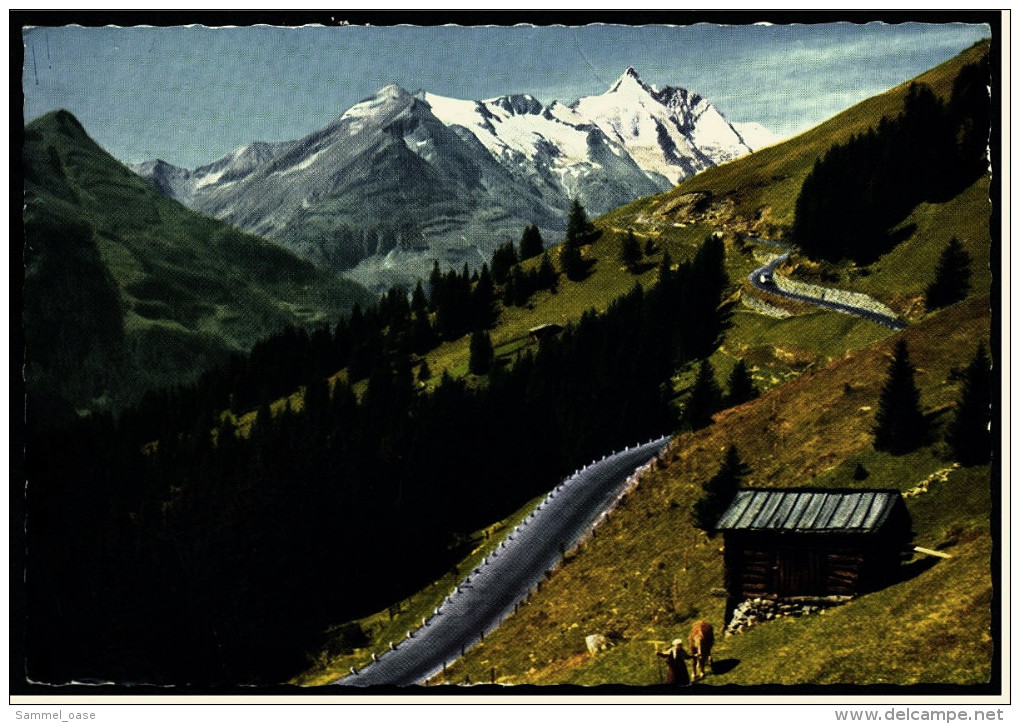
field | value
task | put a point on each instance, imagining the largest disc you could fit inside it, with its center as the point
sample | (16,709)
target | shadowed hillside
(126,290)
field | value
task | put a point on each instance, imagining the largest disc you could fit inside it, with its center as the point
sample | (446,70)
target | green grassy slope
(126,289)
(649,574)
(608,280)
(759,190)
(755,195)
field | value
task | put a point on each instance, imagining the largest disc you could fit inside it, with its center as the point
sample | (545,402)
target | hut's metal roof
(815,511)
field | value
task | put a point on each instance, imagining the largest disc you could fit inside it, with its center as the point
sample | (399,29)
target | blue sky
(189,95)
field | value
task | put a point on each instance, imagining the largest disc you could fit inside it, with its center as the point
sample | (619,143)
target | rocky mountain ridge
(401,179)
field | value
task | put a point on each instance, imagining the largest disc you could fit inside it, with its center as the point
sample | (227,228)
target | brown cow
(701,639)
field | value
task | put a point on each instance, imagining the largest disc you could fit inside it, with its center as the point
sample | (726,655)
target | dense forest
(859,191)
(168,546)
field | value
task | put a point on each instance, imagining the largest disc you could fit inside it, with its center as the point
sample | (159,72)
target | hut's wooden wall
(768,567)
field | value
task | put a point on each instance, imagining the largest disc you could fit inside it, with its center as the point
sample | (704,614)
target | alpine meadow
(428,391)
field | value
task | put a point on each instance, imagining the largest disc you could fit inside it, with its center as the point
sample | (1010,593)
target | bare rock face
(596,643)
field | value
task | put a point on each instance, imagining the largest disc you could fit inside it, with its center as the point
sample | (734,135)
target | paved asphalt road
(490,593)
(761,279)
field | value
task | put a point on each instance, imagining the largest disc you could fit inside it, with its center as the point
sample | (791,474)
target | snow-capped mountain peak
(517,104)
(672,132)
(630,81)
(381,102)
(431,176)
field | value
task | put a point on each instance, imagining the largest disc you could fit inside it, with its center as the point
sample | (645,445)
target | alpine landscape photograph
(495,354)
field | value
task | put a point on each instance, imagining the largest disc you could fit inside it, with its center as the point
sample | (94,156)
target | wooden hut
(782,544)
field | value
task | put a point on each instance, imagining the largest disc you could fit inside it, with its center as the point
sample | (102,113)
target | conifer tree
(403,382)
(969,434)
(630,252)
(952,276)
(719,491)
(423,337)
(424,372)
(705,399)
(900,425)
(665,272)
(579,229)
(261,429)
(503,260)
(571,262)
(547,276)
(483,300)
(521,286)
(481,353)
(531,242)
(316,400)
(579,232)
(741,385)
(435,284)
(970,108)
(419,304)
(509,291)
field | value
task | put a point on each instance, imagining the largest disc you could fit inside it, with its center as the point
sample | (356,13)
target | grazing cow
(701,639)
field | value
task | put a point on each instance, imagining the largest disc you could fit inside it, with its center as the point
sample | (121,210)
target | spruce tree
(435,285)
(521,286)
(547,276)
(316,400)
(719,491)
(419,304)
(900,425)
(571,262)
(705,399)
(482,355)
(579,232)
(952,277)
(423,337)
(630,252)
(579,229)
(969,434)
(503,259)
(509,291)
(741,385)
(970,109)
(665,272)
(424,372)
(531,242)
(483,301)
(403,382)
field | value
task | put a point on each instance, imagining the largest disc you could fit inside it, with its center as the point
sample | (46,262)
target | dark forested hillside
(188,551)
(859,190)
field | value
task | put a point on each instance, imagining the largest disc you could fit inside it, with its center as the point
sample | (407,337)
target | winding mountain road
(493,590)
(763,279)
